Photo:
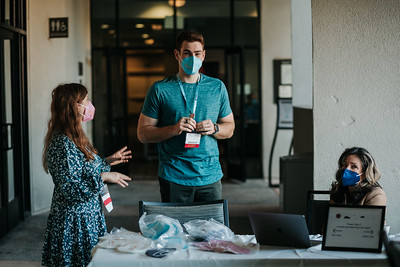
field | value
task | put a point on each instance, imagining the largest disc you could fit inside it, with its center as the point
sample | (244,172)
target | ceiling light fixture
(149,41)
(145,35)
(105,26)
(139,26)
(178,3)
(156,27)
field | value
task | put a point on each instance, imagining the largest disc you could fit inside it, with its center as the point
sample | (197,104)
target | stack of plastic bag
(218,237)
(125,241)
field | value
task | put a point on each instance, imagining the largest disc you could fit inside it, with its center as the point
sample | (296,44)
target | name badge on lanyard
(192,139)
(105,196)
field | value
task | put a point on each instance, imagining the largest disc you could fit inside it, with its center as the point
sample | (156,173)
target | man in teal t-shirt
(186,114)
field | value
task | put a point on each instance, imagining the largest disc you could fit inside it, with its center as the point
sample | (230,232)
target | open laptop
(277,229)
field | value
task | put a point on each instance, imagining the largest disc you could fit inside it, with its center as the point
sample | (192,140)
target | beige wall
(51,62)
(275,44)
(356,72)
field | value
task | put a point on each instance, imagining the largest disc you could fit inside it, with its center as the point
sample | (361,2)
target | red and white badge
(192,140)
(106,197)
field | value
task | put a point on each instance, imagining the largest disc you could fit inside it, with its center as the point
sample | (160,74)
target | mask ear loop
(82,106)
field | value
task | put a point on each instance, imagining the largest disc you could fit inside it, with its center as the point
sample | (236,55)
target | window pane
(146,24)
(100,83)
(8,117)
(7,12)
(252,113)
(104,32)
(251,59)
(246,23)
(211,18)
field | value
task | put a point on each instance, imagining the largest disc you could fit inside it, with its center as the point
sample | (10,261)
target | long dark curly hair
(341,194)
(65,119)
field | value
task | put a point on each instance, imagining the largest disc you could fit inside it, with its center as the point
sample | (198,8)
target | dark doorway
(143,42)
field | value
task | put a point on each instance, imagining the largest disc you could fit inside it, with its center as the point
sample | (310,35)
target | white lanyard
(196,94)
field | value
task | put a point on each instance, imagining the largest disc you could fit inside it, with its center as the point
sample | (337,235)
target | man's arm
(226,127)
(148,132)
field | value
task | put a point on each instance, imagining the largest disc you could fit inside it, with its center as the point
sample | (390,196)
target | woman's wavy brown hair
(65,119)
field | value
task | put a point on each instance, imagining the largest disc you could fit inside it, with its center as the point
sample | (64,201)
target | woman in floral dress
(76,220)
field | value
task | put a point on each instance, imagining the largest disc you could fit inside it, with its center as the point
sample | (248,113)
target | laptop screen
(276,229)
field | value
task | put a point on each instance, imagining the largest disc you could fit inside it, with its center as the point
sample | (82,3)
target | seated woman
(357,180)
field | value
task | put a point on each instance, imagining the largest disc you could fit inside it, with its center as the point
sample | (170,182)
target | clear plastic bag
(166,232)
(205,230)
(156,226)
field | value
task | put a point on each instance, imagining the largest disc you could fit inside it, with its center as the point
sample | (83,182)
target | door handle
(7,136)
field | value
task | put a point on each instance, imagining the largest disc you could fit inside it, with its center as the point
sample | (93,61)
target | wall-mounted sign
(285,114)
(58,27)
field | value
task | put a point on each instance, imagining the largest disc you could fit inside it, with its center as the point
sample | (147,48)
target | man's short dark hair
(189,36)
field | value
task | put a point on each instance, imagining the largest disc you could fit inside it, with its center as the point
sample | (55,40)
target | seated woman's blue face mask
(350,178)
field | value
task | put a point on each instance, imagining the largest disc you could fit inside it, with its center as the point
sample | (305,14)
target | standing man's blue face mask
(350,178)
(191,65)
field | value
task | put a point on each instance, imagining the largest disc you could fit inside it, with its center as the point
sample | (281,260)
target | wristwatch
(216,128)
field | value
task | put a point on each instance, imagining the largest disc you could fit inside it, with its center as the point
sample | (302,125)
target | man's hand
(226,127)
(186,124)
(149,132)
(205,127)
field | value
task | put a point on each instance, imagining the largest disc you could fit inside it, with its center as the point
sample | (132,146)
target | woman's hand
(121,156)
(115,178)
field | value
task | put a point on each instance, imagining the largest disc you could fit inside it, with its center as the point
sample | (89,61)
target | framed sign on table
(354,228)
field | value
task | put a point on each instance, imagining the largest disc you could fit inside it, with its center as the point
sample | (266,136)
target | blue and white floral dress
(76,219)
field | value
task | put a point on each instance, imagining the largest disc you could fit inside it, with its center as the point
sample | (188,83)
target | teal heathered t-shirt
(164,102)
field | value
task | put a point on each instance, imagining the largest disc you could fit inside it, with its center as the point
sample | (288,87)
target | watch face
(216,127)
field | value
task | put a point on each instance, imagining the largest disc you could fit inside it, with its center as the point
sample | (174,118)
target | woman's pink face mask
(88,115)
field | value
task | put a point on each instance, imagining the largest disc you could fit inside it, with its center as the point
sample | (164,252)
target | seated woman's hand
(121,156)
(115,178)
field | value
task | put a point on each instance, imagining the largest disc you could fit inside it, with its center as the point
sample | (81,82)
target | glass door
(14,148)
(10,195)
(236,153)
(110,130)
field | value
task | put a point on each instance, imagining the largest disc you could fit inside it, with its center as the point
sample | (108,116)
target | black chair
(317,211)
(184,212)
(392,249)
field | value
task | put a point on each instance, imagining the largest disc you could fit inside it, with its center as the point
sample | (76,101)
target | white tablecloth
(267,256)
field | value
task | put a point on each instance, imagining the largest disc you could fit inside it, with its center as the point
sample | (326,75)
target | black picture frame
(277,73)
